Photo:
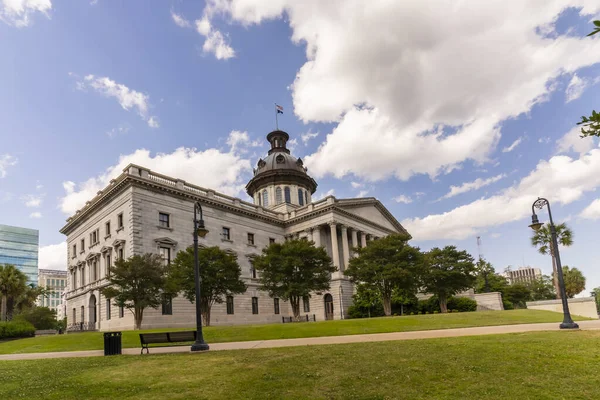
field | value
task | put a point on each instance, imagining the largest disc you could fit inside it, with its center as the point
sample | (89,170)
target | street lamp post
(536,225)
(199,230)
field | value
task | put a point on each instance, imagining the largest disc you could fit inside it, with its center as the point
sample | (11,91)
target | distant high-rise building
(19,247)
(55,282)
(522,275)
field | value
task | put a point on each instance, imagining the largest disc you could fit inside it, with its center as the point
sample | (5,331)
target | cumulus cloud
(239,142)
(35,214)
(212,168)
(128,98)
(512,146)
(306,137)
(53,256)
(357,185)
(572,141)
(403,199)
(18,12)
(215,43)
(575,88)
(330,192)
(592,211)
(6,160)
(405,99)
(469,186)
(32,200)
(180,20)
(561,179)
(120,130)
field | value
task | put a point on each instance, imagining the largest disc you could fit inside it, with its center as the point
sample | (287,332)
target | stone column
(345,249)
(335,253)
(309,234)
(363,239)
(316,235)
(354,234)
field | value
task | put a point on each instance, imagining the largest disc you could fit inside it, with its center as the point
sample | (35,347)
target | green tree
(137,283)
(293,270)
(387,264)
(541,288)
(13,284)
(448,271)
(596,293)
(591,124)
(486,277)
(574,281)
(542,239)
(40,317)
(518,294)
(366,302)
(220,276)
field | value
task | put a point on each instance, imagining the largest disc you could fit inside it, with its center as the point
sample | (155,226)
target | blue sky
(386,99)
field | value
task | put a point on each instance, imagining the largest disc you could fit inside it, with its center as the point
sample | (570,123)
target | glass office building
(19,247)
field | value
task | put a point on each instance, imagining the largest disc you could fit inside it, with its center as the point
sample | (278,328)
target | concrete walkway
(374,337)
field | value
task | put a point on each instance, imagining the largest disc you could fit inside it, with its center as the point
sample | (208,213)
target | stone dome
(280,168)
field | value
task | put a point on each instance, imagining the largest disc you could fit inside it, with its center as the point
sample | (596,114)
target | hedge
(16,329)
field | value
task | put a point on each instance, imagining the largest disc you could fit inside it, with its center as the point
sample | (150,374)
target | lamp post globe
(536,226)
(199,231)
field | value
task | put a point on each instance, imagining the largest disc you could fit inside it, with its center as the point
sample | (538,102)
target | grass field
(543,365)
(221,334)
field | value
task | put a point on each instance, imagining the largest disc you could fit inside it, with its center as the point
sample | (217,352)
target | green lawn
(220,334)
(541,365)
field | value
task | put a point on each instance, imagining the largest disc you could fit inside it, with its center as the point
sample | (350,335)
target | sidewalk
(374,337)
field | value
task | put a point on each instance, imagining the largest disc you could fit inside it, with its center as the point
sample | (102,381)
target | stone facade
(582,306)
(128,217)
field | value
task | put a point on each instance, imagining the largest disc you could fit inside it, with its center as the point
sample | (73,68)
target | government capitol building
(142,211)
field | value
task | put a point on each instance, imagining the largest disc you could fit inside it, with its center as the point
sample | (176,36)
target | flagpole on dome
(278,110)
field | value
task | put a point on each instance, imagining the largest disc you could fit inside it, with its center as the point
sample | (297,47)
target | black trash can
(112,343)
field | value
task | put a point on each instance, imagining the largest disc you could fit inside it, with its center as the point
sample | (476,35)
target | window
(230,305)
(94,271)
(163,220)
(121,312)
(74,279)
(306,304)
(276,305)
(226,233)
(82,245)
(107,228)
(74,251)
(108,265)
(167,305)
(120,254)
(278,196)
(300,197)
(255,305)
(95,237)
(120,221)
(253,272)
(271,240)
(107,309)
(165,253)
(288,194)
(306,196)
(83,276)
(265,198)
(74,315)
(251,238)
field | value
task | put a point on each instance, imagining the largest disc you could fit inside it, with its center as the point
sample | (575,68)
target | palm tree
(13,283)
(542,239)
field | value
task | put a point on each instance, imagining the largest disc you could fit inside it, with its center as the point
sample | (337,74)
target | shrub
(412,313)
(508,305)
(455,311)
(462,304)
(435,311)
(40,317)
(16,329)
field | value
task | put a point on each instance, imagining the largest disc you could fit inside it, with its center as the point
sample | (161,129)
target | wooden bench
(165,337)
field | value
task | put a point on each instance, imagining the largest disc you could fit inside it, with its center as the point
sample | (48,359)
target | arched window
(288,194)
(300,197)
(306,196)
(278,196)
(265,196)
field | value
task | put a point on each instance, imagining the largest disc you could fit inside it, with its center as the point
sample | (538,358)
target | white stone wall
(583,306)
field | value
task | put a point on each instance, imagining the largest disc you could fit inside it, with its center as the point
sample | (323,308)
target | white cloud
(291,144)
(495,235)
(512,146)
(223,171)
(306,137)
(239,142)
(357,185)
(32,200)
(18,12)
(561,179)
(330,192)
(407,100)
(39,186)
(592,211)
(6,160)
(53,256)
(575,88)
(120,130)
(572,141)
(180,20)
(469,186)
(35,214)
(203,26)
(215,43)
(128,98)
(403,199)
(362,193)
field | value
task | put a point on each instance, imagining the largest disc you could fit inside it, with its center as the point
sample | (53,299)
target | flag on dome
(279,109)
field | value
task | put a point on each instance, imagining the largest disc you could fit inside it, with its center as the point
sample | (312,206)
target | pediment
(165,241)
(91,256)
(105,249)
(372,210)
(118,242)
